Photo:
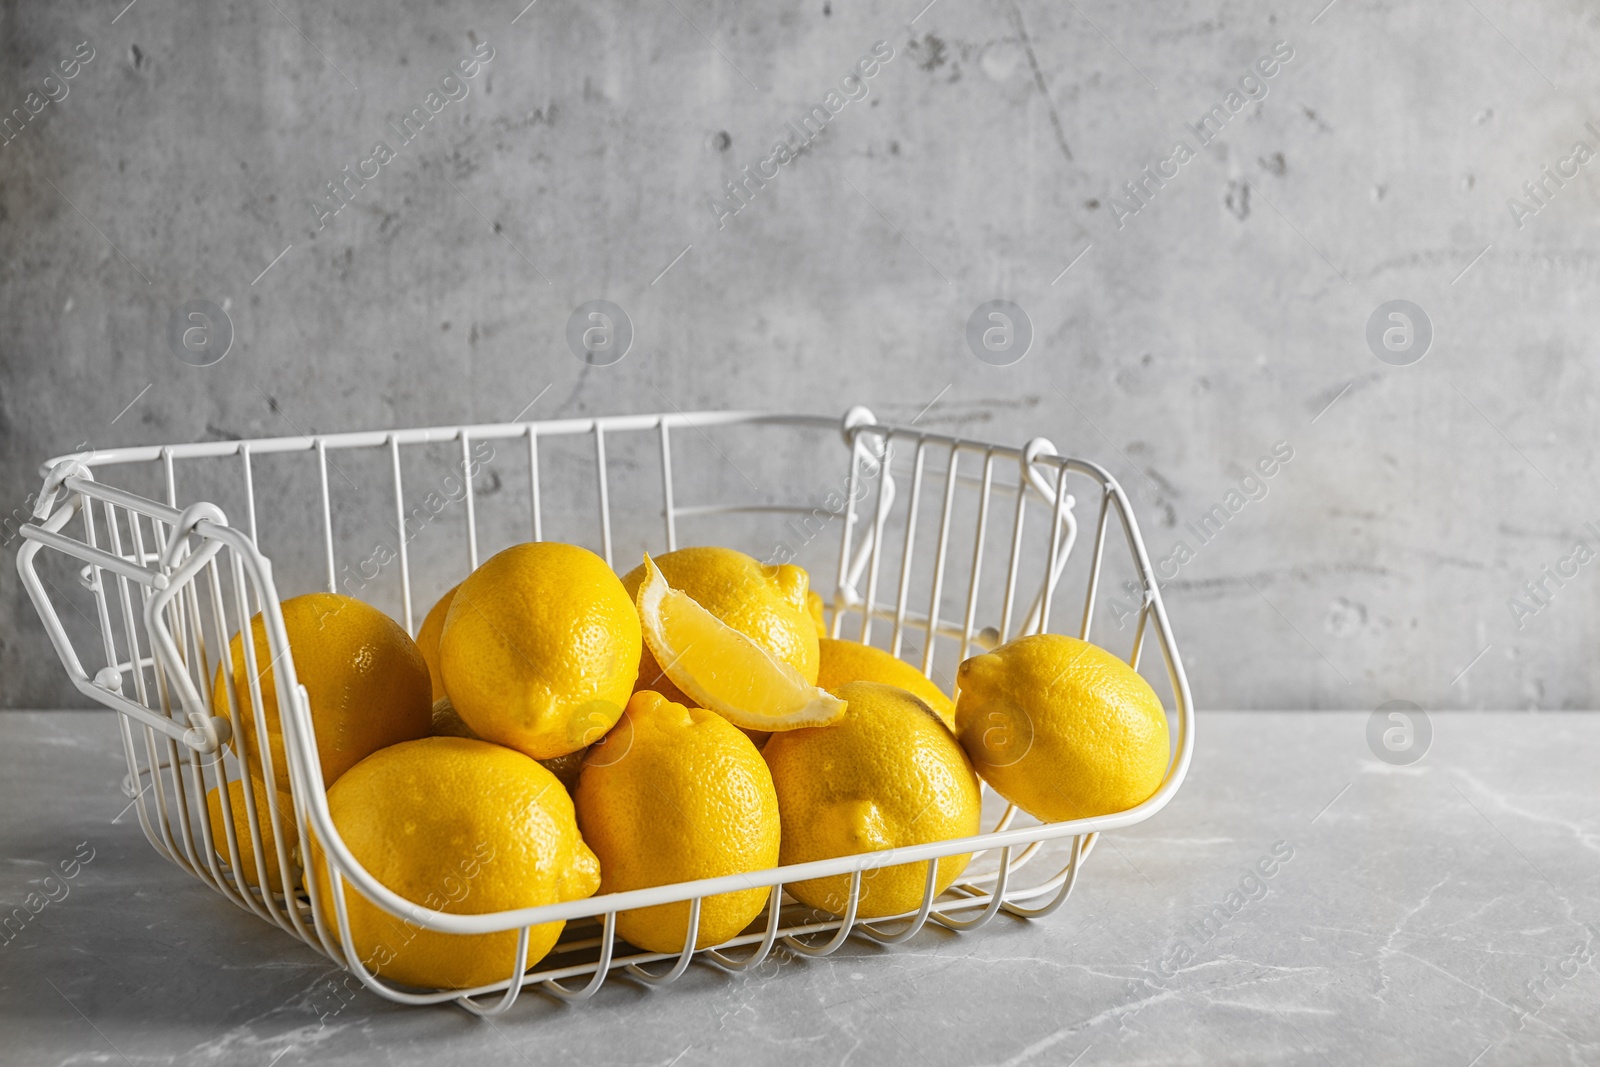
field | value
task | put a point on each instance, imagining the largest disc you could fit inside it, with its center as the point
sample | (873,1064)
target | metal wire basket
(171,582)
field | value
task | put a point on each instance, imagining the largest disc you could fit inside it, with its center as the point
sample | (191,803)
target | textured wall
(1216,321)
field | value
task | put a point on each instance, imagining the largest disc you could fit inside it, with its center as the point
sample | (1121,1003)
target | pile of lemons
(556,731)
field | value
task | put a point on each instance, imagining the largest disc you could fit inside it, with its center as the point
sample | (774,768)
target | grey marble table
(1437,913)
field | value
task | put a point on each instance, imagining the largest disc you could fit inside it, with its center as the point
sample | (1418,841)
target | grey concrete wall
(1224,310)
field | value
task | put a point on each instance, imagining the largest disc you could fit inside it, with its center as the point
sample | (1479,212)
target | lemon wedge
(721,669)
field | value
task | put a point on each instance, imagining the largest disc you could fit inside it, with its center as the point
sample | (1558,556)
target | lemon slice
(721,669)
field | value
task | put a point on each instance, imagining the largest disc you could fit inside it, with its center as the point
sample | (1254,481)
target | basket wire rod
(400,534)
(929,644)
(131,754)
(130,629)
(34,540)
(1138,637)
(683,957)
(178,816)
(608,938)
(605,492)
(170,822)
(210,871)
(1020,861)
(1059,553)
(175,609)
(758,954)
(172,749)
(239,887)
(519,963)
(472,511)
(114,539)
(87,487)
(1094,564)
(252,814)
(352,960)
(1053,884)
(164,702)
(268,778)
(1069,878)
(97,584)
(1176,676)
(533,482)
(880,517)
(979,535)
(187,606)
(172,476)
(1013,565)
(846,537)
(906,552)
(847,594)
(997,897)
(915,923)
(94,557)
(327,513)
(257,713)
(249,487)
(668,508)
(846,922)
(498,431)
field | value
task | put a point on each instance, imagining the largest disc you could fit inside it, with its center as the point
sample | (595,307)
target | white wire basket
(928,542)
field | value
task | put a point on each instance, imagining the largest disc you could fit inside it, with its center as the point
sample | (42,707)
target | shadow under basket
(929,543)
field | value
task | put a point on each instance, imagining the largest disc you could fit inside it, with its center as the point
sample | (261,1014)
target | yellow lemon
(815,607)
(851,661)
(887,775)
(540,649)
(765,603)
(458,826)
(1061,728)
(241,828)
(447,723)
(674,794)
(428,638)
(367,682)
(721,669)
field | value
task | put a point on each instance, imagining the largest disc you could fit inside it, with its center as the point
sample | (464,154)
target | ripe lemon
(428,638)
(241,828)
(851,661)
(540,648)
(459,826)
(1061,728)
(367,682)
(815,607)
(721,669)
(447,723)
(888,774)
(674,794)
(765,603)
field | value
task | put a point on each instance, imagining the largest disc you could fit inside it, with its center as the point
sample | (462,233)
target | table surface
(1437,913)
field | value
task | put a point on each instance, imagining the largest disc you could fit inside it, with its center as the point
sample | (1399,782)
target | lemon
(815,607)
(674,794)
(241,828)
(721,669)
(767,604)
(458,826)
(367,682)
(851,661)
(540,649)
(447,723)
(886,775)
(428,638)
(1061,728)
